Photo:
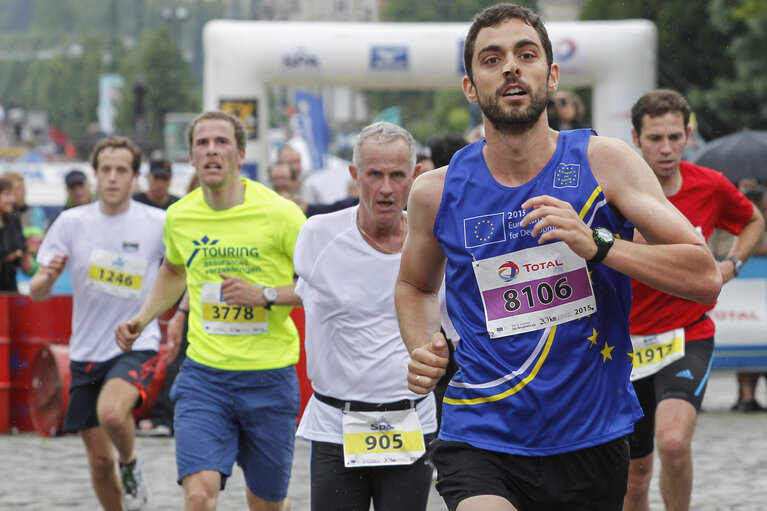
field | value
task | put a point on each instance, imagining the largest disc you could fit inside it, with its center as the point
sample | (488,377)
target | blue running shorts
(246,416)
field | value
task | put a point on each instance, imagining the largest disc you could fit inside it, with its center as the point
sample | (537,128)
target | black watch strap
(604,240)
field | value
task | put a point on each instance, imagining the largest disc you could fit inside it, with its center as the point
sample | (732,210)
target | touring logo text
(211,249)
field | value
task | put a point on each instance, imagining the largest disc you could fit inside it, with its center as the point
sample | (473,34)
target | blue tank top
(551,390)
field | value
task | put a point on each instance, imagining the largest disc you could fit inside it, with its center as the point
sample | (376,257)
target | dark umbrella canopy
(738,156)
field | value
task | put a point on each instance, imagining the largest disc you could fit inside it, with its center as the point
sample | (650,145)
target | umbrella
(738,156)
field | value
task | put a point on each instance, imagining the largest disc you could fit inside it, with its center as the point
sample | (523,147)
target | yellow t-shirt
(254,241)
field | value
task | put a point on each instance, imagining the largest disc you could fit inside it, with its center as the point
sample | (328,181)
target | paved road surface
(50,474)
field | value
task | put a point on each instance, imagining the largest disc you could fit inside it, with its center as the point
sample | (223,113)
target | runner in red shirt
(674,338)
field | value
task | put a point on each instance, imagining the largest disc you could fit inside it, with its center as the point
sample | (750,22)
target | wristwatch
(604,240)
(270,295)
(737,265)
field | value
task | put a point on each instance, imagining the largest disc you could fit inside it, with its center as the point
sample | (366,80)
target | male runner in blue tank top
(537,416)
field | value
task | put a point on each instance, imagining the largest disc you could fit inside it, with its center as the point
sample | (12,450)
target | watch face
(605,235)
(270,294)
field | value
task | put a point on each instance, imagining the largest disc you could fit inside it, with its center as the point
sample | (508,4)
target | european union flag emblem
(567,175)
(484,230)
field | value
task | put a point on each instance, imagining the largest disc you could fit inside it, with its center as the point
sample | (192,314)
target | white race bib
(220,318)
(533,289)
(654,352)
(115,274)
(374,439)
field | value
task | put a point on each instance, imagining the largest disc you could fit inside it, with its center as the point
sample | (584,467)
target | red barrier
(5,366)
(49,397)
(155,386)
(38,402)
(304,384)
(31,326)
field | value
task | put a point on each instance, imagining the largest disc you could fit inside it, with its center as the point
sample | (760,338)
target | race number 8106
(541,293)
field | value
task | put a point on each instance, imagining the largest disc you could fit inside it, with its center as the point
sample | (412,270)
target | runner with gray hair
(368,431)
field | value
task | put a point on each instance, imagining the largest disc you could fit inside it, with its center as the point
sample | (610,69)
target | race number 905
(541,293)
(384,442)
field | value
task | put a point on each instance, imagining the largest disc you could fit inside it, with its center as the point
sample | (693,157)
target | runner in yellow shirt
(230,242)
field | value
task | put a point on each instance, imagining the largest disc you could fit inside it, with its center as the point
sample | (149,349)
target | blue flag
(311,118)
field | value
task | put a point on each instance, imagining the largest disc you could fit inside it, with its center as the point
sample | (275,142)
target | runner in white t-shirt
(113,248)
(368,431)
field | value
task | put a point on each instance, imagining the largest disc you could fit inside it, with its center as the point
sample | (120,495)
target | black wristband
(185,311)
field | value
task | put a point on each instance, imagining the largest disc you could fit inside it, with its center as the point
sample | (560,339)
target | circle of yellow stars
(476,230)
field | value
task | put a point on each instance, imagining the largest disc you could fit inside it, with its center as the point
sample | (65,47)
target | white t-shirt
(354,349)
(113,261)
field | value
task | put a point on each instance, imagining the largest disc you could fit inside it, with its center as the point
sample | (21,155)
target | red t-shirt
(708,200)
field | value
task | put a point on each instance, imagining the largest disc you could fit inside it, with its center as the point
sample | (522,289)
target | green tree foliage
(67,87)
(739,99)
(170,87)
(52,53)
(695,52)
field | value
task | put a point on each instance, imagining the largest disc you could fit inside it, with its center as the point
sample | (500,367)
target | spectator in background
(28,215)
(747,402)
(306,191)
(157,194)
(443,148)
(33,237)
(12,246)
(425,161)
(78,192)
(476,134)
(568,111)
(352,199)
(283,178)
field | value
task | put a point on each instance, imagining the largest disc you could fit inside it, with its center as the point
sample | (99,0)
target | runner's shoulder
(427,190)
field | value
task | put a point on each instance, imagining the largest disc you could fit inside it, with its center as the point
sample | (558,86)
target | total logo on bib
(533,289)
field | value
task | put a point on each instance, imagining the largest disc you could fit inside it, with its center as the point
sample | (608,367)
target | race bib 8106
(533,289)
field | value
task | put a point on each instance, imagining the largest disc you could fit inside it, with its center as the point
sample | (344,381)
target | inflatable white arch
(617,59)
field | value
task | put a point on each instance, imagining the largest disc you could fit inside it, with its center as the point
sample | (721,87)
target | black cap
(75,177)
(160,168)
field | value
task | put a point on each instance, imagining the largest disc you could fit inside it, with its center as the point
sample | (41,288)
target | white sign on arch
(617,59)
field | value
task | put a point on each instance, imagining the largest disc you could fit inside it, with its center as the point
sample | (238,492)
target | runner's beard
(517,120)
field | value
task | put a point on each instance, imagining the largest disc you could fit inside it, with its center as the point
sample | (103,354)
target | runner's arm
(675,260)
(743,245)
(166,290)
(41,284)
(422,268)
(237,291)
(175,329)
